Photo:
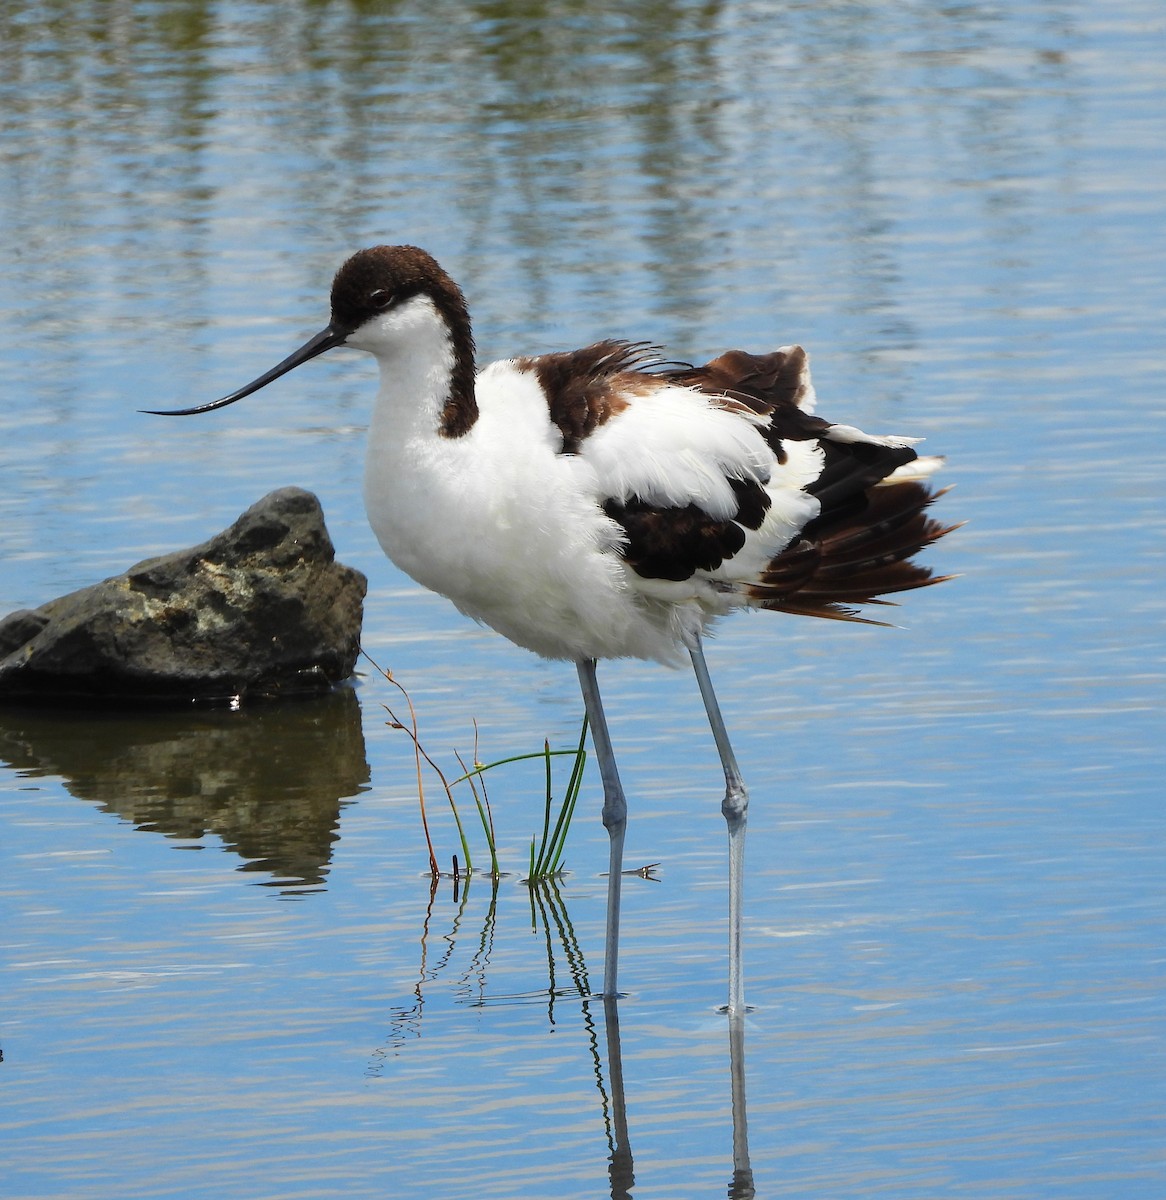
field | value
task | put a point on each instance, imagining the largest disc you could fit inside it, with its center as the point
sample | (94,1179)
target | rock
(261,610)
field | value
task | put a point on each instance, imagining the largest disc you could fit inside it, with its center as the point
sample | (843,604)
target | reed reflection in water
(568,1001)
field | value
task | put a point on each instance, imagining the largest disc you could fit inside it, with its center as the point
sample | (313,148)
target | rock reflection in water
(269,782)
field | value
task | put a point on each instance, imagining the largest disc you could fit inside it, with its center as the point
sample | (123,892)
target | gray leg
(735,806)
(615,816)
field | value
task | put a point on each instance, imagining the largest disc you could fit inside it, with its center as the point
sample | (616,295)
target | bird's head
(380,297)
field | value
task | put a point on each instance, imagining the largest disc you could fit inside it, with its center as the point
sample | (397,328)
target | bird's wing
(722,469)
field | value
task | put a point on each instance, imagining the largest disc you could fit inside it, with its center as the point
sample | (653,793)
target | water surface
(224,972)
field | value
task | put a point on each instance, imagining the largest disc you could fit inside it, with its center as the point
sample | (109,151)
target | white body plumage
(513,531)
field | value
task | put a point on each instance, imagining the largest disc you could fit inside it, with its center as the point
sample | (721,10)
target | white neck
(414,350)
(411,464)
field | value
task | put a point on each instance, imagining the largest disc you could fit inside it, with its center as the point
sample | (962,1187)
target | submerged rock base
(262,610)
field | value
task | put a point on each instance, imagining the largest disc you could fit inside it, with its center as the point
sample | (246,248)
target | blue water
(223,970)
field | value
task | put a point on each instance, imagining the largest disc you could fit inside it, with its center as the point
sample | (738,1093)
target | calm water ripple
(223,970)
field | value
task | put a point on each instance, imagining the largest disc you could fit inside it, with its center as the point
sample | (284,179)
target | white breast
(506,526)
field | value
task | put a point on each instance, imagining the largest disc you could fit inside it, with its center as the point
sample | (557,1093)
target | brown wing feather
(857,557)
(586,387)
(861,543)
(857,549)
(780,379)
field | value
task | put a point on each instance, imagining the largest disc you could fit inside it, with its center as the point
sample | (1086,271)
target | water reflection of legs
(620,1168)
(741,1185)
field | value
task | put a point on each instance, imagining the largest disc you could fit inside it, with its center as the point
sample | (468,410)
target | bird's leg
(735,806)
(615,815)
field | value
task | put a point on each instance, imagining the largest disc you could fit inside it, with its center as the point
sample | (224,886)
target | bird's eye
(380,298)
